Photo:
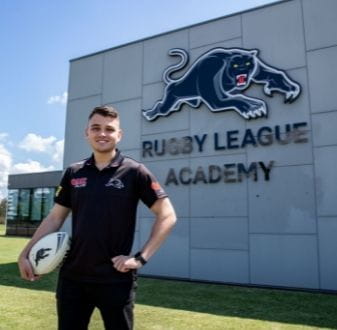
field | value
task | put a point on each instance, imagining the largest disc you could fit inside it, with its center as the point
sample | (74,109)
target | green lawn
(165,304)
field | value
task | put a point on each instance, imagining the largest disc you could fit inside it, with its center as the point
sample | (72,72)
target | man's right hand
(26,269)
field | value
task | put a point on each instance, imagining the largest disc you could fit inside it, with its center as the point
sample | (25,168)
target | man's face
(103,133)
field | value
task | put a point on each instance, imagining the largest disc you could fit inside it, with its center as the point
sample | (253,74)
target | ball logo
(41,254)
(217,79)
(60,240)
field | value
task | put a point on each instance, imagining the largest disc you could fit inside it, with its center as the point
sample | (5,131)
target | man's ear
(120,135)
(86,132)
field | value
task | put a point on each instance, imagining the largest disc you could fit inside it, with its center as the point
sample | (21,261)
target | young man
(102,192)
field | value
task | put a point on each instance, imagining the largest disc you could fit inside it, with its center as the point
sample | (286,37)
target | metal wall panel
(85,77)
(122,75)
(284,205)
(284,260)
(324,128)
(213,32)
(277,31)
(228,233)
(173,257)
(326,180)
(155,54)
(327,227)
(220,265)
(322,72)
(320,23)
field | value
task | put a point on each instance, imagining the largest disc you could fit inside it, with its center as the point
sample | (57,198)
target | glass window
(24,204)
(12,205)
(47,201)
(36,206)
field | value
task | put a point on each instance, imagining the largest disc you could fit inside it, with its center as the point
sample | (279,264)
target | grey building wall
(279,232)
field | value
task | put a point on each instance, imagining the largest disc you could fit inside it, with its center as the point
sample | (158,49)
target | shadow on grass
(297,308)
(9,276)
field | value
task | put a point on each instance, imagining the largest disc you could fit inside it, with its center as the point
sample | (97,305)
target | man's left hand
(125,263)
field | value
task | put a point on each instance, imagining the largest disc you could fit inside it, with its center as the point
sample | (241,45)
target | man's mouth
(241,79)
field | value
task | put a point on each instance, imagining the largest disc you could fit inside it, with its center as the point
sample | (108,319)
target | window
(12,205)
(24,204)
(29,204)
(36,206)
(48,200)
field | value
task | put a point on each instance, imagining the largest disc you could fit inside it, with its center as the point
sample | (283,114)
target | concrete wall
(280,232)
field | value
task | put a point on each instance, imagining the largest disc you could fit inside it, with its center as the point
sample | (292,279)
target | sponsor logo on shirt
(116,183)
(79,182)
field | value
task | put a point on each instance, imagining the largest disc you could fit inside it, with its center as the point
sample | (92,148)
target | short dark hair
(105,111)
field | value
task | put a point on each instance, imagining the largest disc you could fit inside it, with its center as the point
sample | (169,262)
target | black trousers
(76,302)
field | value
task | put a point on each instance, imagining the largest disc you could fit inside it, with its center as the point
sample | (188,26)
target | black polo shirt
(103,204)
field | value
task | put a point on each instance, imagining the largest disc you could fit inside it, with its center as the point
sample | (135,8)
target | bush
(3,205)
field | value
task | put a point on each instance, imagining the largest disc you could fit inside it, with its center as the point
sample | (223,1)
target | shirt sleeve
(149,187)
(63,191)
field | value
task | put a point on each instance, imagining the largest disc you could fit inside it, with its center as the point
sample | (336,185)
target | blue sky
(38,38)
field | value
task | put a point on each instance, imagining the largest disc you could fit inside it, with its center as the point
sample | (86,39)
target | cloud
(5,167)
(3,136)
(59,149)
(58,99)
(49,145)
(34,142)
(30,166)
(31,143)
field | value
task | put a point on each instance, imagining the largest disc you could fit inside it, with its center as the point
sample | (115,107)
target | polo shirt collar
(115,162)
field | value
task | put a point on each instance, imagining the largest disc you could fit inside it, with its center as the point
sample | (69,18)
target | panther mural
(217,79)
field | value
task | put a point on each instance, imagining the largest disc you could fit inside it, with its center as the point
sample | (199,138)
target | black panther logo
(217,79)
(41,254)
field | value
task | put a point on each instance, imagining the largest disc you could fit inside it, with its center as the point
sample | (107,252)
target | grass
(163,304)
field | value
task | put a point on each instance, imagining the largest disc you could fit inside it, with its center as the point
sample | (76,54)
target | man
(102,193)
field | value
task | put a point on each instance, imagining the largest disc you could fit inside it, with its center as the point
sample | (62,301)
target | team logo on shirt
(156,186)
(116,183)
(79,182)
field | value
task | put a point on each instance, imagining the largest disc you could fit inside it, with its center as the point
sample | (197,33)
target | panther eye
(235,65)
(248,63)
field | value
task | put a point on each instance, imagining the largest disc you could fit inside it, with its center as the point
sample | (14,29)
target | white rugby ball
(49,252)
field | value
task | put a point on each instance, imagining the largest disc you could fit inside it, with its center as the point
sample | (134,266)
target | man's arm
(164,222)
(50,224)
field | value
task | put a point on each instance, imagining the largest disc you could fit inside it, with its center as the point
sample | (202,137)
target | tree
(3,206)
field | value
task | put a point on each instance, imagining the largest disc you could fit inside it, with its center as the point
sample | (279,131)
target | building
(242,137)
(30,197)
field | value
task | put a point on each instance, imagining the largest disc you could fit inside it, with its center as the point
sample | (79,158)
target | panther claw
(150,115)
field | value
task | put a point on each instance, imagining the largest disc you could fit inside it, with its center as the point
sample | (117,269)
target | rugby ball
(49,252)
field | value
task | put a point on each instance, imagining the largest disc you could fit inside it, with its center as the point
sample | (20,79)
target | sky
(38,38)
